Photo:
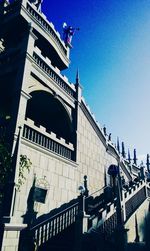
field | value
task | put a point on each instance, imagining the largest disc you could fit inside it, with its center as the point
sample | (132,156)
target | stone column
(11,236)
(12,223)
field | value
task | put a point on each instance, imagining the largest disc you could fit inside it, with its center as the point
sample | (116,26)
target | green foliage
(5,169)
(5,164)
(24,168)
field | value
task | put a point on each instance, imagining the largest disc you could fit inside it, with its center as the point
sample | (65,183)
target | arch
(50,112)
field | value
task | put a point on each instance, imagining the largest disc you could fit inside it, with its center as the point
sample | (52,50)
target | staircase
(52,227)
(57,232)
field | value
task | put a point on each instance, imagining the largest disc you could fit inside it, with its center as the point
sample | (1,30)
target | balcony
(53,73)
(44,30)
(47,140)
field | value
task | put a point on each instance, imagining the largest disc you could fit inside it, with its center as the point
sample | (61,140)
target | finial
(134,157)
(123,150)
(129,158)
(86,193)
(77,78)
(118,145)
(109,137)
(104,130)
(148,163)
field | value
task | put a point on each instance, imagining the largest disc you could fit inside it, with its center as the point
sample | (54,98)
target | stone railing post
(81,224)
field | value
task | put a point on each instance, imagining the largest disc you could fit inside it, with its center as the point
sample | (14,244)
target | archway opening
(46,110)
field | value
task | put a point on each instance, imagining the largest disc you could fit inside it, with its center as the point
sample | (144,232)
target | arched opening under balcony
(46,110)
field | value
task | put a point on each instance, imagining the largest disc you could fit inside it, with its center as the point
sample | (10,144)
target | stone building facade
(58,134)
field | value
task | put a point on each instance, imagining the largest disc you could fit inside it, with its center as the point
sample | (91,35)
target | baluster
(52,145)
(69,154)
(40,236)
(36,235)
(60,223)
(49,72)
(69,218)
(47,228)
(44,234)
(72,215)
(31,135)
(51,229)
(54,229)
(66,223)
(49,144)
(38,138)
(44,141)
(61,150)
(41,139)
(56,148)
(27,136)
(63,221)
(66,153)
(25,131)
(57,225)
(35,137)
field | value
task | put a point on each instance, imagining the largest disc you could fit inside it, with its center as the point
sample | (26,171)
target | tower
(34,95)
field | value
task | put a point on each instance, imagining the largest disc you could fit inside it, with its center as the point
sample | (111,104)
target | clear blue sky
(112,52)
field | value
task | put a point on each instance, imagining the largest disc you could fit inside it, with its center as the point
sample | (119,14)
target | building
(52,133)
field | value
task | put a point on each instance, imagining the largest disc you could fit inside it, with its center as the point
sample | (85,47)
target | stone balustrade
(53,73)
(47,26)
(51,227)
(49,140)
(104,221)
(134,198)
(40,18)
(133,190)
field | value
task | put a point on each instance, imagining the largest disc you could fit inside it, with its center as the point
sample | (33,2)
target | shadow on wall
(146,230)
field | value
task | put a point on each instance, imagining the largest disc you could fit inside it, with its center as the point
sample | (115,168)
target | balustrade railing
(109,226)
(15,5)
(49,228)
(46,27)
(57,79)
(135,201)
(46,142)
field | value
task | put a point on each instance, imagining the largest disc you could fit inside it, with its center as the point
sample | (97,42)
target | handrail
(64,210)
(55,224)
(54,216)
(96,192)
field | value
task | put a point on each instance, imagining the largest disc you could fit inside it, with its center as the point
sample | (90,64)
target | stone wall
(65,176)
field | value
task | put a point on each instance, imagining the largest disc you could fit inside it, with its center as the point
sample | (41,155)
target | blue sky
(112,52)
